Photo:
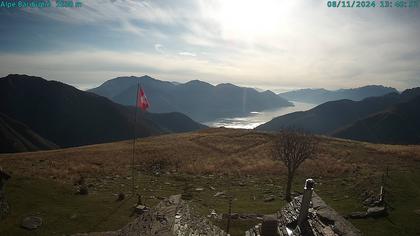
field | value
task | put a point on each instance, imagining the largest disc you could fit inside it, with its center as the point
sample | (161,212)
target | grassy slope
(218,158)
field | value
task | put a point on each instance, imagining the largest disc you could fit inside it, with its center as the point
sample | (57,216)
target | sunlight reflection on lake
(255,119)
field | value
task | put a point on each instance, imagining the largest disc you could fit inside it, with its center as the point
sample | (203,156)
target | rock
(326,215)
(199,189)
(234,216)
(218,194)
(212,188)
(376,211)
(31,222)
(269,198)
(357,215)
(121,196)
(417,212)
(242,184)
(73,217)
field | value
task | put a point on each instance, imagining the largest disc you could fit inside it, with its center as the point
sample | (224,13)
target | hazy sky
(270,44)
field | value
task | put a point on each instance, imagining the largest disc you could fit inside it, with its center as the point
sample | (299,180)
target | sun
(249,19)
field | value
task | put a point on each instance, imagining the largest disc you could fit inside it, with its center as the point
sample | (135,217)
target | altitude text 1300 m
(68,3)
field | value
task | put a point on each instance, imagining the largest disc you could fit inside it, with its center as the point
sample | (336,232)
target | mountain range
(199,100)
(63,115)
(318,96)
(392,118)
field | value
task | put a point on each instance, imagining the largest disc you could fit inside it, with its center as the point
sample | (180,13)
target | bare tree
(292,148)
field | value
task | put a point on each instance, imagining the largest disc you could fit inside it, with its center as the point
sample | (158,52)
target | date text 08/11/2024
(374,4)
(41,4)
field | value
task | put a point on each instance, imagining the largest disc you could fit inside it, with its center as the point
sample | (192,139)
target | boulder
(376,211)
(31,222)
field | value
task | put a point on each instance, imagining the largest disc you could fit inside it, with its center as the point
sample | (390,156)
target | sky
(268,44)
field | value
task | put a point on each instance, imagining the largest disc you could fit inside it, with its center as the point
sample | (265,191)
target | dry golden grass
(211,151)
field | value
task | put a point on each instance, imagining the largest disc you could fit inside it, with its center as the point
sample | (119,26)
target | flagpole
(134,138)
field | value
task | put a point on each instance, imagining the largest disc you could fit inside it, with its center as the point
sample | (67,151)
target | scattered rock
(31,222)
(242,184)
(199,189)
(218,194)
(212,188)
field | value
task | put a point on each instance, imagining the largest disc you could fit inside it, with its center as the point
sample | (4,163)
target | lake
(255,119)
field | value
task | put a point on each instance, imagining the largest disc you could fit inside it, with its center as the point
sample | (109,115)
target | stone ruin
(172,216)
(4,205)
(306,215)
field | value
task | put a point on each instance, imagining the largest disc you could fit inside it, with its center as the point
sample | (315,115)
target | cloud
(190,54)
(159,48)
(269,43)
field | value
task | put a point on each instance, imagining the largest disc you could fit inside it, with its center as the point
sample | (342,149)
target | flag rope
(134,139)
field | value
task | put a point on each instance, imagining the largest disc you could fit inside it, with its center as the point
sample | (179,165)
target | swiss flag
(142,101)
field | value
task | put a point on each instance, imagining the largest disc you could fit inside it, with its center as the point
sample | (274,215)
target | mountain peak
(198,82)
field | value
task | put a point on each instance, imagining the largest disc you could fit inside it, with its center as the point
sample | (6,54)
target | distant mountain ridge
(391,118)
(399,124)
(70,117)
(318,96)
(17,137)
(197,99)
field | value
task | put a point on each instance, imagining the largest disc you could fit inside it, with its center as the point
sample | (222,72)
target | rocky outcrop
(322,221)
(4,205)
